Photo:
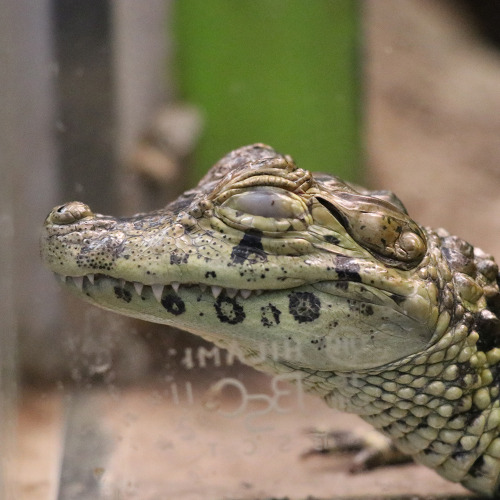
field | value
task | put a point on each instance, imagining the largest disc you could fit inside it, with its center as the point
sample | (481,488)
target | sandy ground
(136,444)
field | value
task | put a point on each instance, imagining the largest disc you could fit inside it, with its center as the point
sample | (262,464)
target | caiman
(379,316)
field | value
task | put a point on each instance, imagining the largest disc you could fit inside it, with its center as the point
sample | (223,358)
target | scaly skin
(304,273)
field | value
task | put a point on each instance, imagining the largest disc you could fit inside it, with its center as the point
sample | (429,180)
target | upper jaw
(64,254)
(86,282)
(67,244)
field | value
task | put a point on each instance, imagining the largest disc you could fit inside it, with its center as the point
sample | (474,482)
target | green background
(282,72)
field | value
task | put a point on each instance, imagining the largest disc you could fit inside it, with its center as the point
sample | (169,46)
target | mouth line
(89,281)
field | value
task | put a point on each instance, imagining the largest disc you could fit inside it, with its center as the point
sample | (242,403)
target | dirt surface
(158,450)
(39,444)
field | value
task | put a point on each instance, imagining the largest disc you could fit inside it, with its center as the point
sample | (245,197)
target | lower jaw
(306,326)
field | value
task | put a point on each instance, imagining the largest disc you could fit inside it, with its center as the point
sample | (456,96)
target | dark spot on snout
(249,249)
(173,304)
(366,309)
(270,315)
(347,270)
(229,311)
(329,238)
(304,306)
(122,294)
(176,258)
(399,299)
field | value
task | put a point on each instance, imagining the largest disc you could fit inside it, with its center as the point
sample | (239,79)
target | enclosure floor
(159,450)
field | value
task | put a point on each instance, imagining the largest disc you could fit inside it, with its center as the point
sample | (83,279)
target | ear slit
(341,218)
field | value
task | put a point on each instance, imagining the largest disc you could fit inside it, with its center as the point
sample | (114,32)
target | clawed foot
(371,448)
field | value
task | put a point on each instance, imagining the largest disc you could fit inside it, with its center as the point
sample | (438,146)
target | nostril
(69,213)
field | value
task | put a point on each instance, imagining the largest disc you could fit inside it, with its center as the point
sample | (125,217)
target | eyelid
(269,203)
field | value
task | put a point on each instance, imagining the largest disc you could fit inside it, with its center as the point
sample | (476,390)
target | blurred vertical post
(140,49)
(142,88)
(27,188)
(284,72)
(26,161)
(29,134)
(82,46)
(7,332)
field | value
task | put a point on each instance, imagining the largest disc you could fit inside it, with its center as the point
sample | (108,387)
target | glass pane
(123,105)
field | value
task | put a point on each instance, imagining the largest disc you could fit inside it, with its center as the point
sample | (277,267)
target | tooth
(259,292)
(175,285)
(157,291)
(138,287)
(61,277)
(216,291)
(90,277)
(245,293)
(203,287)
(78,280)
(121,281)
(231,292)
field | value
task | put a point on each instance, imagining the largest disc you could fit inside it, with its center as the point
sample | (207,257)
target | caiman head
(265,257)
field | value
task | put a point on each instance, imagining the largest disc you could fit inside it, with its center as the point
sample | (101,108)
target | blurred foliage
(282,72)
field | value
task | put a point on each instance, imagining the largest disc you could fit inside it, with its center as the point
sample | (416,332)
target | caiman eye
(265,203)
(388,233)
(266,209)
